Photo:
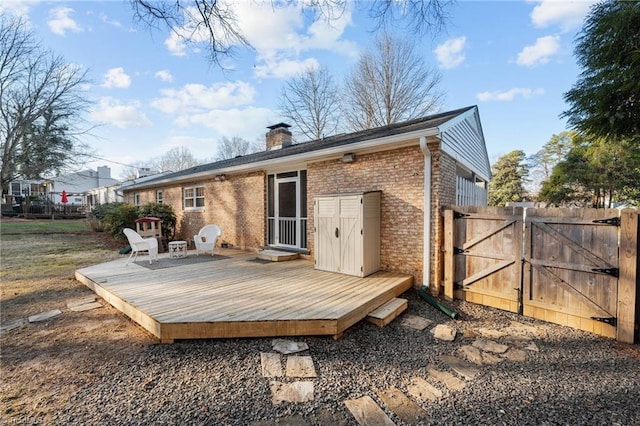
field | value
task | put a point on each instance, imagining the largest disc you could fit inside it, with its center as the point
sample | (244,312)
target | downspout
(426,270)
(426,250)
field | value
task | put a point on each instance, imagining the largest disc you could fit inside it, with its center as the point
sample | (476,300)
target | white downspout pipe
(426,261)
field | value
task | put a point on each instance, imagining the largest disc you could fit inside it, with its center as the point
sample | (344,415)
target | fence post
(449,258)
(628,283)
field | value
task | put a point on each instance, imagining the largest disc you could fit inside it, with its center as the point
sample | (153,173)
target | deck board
(235,297)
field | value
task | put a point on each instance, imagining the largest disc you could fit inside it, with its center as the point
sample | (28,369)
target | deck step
(277,255)
(387,312)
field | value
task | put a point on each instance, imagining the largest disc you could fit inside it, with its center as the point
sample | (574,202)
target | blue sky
(514,59)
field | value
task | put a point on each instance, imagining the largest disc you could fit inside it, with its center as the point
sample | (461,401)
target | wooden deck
(240,297)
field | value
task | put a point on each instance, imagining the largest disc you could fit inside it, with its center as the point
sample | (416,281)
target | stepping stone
(270,364)
(490,359)
(415,322)
(388,312)
(517,341)
(448,379)
(408,411)
(367,412)
(444,332)
(422,390)
(288,347)
(516,355)
(532,347)
(300,366)
(490,346)
(81,301)
(490,333)
(86,307)
(471,353)
(13,324)
(463,368)
(291,392)
(45,315)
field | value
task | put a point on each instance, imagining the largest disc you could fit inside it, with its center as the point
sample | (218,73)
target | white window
(159,196)
(136,199)
(194,198)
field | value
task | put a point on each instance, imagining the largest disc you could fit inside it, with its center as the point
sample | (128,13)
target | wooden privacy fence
(575,267)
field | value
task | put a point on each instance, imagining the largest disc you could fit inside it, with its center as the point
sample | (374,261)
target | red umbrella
(63,197)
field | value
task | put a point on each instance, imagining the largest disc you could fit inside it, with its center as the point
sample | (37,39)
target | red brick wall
(443,193)
(399,174)
(236,204)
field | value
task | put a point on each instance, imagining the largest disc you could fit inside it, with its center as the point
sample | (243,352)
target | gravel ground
(576,378)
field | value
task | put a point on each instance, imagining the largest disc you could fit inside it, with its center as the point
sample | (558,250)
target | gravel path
(575,378)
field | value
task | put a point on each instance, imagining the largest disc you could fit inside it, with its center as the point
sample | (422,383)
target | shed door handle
(337,233)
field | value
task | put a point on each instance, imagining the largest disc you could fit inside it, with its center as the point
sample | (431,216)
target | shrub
(114,217)
(163,212)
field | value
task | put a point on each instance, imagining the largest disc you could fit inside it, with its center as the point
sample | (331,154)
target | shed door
(327,245)
(350,238)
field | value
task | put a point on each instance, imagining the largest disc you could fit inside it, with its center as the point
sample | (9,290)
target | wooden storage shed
(347,233)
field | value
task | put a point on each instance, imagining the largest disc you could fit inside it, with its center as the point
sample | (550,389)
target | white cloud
(246,122)
(540,52)
(567,14)
(164,75)
(198,98)
(509,95)
(276,32)
(450,54)
(122,115)
(284,68)
(116,78)
(60,21)
(104,18)
(17,7)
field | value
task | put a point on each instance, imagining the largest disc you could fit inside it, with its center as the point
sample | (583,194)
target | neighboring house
(77,183)
(114,192)
(267,198)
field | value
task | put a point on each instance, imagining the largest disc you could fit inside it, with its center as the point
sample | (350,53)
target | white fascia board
(300,160)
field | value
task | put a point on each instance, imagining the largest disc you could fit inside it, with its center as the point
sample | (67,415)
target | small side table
(178,249)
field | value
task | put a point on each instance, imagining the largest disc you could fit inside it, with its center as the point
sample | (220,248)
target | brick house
(267,198)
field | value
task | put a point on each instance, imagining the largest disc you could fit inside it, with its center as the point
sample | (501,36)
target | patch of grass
(28,226)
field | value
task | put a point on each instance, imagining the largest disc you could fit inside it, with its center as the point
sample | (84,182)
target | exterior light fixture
(349,158)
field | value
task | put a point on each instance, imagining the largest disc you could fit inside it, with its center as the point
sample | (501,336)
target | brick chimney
(278,136)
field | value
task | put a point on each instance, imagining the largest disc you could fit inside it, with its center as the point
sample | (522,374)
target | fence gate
(486,265)
(575,267)
(571,268)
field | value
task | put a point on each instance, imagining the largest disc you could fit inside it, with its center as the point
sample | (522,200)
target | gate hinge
(609,320)
(458,286)
(458,215)
(457,250)
(615,221)
(614,272)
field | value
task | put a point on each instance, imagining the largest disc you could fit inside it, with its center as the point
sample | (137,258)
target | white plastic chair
(206,239)
(139,244)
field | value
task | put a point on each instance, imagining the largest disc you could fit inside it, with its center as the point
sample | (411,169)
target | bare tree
(236,146)
(215,22)
(176,159)
(41,104)
(311,101)
(389,85)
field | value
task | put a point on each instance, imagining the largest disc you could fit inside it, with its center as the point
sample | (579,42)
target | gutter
(373,145)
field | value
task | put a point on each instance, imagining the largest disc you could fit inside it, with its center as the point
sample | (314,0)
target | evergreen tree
(605,101)
(509,176)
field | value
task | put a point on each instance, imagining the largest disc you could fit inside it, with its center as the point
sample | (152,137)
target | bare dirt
(43,364)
